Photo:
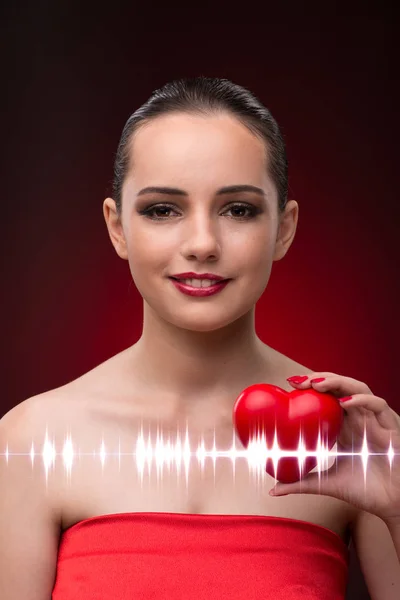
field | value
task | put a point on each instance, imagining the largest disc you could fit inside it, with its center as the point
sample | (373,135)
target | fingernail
(274,493)
(297,379)
(345,398)
(317,380)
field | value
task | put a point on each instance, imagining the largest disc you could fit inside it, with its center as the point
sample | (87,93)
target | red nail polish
(345,398)
(297,379)
(318,379)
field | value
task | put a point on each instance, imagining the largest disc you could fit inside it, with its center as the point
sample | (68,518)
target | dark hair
(207,96)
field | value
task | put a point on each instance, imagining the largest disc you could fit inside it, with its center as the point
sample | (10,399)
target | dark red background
(73,78)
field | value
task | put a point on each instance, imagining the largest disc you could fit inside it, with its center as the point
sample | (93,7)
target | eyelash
(147,211)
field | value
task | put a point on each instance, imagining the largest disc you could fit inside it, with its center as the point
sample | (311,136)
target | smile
(201,288)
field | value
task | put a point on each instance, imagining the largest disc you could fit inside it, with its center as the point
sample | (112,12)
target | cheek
(149,255)
(152,239)
(255,252)
(255,266)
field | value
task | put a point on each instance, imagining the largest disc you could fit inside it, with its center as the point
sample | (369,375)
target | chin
(202,323)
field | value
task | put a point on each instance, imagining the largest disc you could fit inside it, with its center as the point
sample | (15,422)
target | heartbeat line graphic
(165,453)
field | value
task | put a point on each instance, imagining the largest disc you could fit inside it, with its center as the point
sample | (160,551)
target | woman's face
(201,231)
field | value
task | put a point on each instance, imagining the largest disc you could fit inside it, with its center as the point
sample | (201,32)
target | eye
(149,211)
(241,207)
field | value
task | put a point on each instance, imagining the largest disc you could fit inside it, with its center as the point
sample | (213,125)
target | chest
(159,468)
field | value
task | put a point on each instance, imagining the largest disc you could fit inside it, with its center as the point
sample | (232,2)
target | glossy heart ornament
(301,412)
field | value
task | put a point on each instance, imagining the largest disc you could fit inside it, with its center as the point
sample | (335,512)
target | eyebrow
(230,189)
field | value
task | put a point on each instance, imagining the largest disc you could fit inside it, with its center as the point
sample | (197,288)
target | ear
(114,226)
(287,229)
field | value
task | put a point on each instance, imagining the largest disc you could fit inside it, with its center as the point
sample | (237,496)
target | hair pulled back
(207,96)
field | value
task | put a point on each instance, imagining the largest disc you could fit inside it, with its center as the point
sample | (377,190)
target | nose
(202,238)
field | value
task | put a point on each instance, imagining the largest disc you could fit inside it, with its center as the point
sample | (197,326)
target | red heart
(259,406)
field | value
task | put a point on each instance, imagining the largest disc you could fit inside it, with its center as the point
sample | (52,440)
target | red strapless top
(178,556)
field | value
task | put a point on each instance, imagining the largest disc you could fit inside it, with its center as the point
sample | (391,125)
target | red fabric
(186,556)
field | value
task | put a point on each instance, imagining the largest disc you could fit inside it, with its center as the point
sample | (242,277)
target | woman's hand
(379,493)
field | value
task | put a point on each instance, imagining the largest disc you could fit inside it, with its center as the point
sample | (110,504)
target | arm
(29,521)
(378,556)
(394,526)
(394,530)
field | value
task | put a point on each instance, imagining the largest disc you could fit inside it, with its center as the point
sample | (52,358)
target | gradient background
(74,75)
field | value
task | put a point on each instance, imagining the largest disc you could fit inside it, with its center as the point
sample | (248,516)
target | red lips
(260,406)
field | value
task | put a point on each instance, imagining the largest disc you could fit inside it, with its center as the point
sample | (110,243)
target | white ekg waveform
(178,453)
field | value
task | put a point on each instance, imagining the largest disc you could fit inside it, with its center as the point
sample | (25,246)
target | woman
(200,190)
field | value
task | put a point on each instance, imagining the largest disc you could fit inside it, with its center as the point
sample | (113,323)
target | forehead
(183,147)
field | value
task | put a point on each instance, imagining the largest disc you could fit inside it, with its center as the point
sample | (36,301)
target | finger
(313,483)
(385,416)
(333,383)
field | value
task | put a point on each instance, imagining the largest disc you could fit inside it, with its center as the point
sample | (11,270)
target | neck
(195,369)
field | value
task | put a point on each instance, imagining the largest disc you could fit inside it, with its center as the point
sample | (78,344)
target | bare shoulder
(55,408)
(25,416)
(31,508)
(287,367)
(23,427)
(33,433)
